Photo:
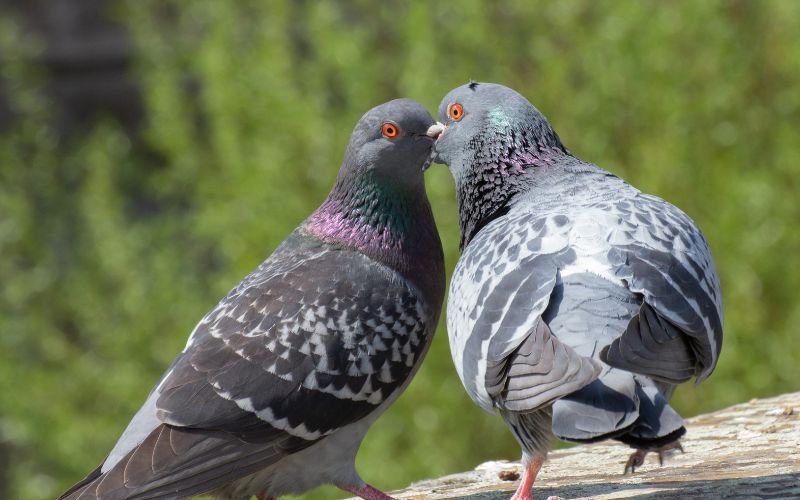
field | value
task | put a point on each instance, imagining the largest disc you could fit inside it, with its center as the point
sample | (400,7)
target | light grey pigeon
(579,303)
(279,383)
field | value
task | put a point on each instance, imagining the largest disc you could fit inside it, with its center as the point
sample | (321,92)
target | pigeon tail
(606,408)
(621,406)
(77,489)
(658,424)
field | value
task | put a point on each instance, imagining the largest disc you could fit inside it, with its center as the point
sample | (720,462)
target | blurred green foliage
(110,251)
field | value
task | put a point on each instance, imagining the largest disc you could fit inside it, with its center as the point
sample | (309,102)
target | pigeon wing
(313,340)
(662,255)
(503,350)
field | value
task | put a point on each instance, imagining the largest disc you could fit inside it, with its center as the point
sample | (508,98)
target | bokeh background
(154,152)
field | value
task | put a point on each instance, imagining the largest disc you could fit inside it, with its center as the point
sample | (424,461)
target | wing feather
(678,332)
(313,340)
(506,276)
(541,370)
(504,351)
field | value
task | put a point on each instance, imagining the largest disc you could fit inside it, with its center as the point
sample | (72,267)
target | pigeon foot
(525,488)
(637,458)
(366,492)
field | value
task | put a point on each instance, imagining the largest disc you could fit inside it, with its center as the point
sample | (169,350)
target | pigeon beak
(436,130)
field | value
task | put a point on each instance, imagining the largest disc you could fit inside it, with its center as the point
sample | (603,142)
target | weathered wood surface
(751,450)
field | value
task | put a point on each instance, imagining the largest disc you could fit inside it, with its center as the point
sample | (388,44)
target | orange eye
(390,130)
(456,111)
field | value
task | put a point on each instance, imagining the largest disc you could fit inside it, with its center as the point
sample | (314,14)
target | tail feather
(174,462)
(80,485)
(618,405)
(605,408)
(658,424)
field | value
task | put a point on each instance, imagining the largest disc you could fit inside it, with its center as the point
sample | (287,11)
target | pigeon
(579,303)
(280,381)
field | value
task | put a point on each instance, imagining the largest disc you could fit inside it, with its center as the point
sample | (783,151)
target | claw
(637,458)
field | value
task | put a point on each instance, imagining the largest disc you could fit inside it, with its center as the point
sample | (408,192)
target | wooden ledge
(750,450)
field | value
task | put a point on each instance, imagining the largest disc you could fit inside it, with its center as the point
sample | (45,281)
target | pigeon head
(485,125)
(378,204)
(492,138)
(390,144)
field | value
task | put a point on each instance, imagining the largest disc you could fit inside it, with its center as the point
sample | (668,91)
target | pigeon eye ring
(390,130)
(455,111)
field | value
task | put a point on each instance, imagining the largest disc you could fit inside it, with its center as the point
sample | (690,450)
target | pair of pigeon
(577,306)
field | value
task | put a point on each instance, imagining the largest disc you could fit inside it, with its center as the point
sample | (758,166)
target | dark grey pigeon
(579,303)
(279,383)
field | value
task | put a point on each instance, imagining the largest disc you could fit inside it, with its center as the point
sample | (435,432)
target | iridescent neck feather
(390,223)
(502,163)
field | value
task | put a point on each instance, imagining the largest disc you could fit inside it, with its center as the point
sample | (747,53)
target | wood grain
(750,450)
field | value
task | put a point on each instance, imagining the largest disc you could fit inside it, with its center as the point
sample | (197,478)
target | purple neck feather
(335,222)
(492,183)
(391,224)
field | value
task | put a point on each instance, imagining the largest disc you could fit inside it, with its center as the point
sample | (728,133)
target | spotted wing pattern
(316,338)
(504,353)
(659,252)
(638,244)
(334,334)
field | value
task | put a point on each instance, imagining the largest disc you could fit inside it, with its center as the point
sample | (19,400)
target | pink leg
(366,492)
(263,496)
(525,489)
